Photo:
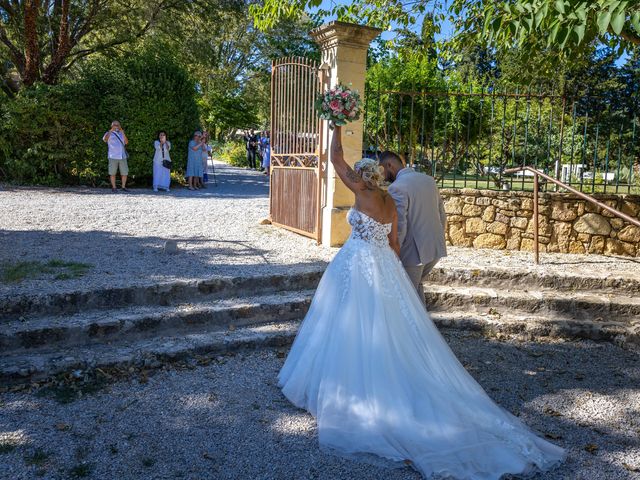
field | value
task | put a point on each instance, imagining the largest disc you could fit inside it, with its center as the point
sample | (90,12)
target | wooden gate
(295,192)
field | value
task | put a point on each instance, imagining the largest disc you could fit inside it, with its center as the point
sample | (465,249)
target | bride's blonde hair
(369,170)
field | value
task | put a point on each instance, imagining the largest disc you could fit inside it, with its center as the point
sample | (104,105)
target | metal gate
(295,191)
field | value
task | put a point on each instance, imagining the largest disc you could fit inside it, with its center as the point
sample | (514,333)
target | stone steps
(576,305)
(538,326)
(98,327)
(164,294)
(156,323)
(500,278)
(24,367)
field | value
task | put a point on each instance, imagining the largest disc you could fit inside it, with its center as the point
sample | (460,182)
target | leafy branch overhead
(565,24)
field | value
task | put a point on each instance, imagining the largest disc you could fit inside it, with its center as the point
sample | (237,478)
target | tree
(43,39)
(567,24)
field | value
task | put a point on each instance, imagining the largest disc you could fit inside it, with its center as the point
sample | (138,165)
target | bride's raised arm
(350,178)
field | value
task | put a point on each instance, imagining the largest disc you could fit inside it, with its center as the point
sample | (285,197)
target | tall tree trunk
(32,50)
(62,47)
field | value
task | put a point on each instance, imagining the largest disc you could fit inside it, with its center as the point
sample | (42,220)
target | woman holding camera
(162,163)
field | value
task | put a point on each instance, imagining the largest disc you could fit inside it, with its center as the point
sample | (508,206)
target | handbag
(165,163)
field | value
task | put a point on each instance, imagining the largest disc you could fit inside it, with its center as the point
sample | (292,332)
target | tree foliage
(43,39)
(564,24)
(54,132)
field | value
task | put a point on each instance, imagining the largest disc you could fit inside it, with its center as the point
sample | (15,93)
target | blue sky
(447,28)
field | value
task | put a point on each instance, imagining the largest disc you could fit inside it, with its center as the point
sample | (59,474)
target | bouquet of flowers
(339,105)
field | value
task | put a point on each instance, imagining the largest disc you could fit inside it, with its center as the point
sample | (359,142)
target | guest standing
(194,161)
(251,144)
(116,141)
(205,158)
(265,148)
(161,174)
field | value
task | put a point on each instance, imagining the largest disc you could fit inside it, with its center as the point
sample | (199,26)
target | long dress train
(370,365)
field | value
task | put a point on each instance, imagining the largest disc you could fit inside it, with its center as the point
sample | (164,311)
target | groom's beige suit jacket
(421,218)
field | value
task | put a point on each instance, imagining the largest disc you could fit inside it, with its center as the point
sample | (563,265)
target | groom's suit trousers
(417,274)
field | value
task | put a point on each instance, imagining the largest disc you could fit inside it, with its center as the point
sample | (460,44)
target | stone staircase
(41,336)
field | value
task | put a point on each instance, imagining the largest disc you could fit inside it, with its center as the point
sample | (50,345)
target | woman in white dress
(369,364)
(161,174)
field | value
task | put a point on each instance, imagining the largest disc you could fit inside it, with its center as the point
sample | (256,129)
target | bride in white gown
(369,364)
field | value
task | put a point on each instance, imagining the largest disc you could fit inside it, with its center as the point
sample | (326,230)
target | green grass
(60,269)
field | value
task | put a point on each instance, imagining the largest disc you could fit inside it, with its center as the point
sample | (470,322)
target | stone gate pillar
(344,58)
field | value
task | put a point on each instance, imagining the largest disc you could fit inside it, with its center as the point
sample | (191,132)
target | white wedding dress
(369,364)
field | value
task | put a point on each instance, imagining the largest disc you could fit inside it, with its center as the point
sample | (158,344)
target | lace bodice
(363,227)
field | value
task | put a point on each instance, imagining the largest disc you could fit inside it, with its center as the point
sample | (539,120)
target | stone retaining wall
(568,224)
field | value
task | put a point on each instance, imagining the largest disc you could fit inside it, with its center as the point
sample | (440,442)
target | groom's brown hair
(389,155)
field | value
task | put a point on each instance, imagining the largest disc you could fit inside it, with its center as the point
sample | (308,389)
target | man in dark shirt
(251,144)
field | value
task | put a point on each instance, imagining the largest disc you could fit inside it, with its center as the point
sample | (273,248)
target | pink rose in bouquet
(339,105)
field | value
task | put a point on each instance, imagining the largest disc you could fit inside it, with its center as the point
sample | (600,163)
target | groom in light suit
(421,218)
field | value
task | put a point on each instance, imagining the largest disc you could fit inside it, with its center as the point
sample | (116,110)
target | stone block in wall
(489,214)
(470,200)
(453,205)
(513,243)
(630,208)
(610,203)
(584,237)
(455,218)
(489,240)
(527,204)
(498,228)
(457,236)
(502,218)
(563,212)
(617,223)
(597,244)
(580,209)
(511,204)
(475,225)
(561,235)
(593,224)
(524,213)
(483,201)
(508,213)
(470,210)
(590,207)
(616,247)
(527,246)
(576,247)
(630,233)
(544,227)
(519,222)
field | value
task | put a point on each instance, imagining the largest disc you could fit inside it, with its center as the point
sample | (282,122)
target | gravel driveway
(228,420)
(217,229)
(122,235)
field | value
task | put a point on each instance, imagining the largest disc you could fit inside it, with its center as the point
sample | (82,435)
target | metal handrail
(536,174)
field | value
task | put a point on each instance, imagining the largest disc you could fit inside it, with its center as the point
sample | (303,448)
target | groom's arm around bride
(421,218)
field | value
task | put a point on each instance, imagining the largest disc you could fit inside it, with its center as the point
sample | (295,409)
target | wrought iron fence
(469,139)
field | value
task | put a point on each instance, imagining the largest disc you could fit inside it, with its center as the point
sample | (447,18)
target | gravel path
(218,233)
(122,235)
(227,419)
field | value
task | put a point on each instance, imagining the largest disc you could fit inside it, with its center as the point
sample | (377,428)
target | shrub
(234,153)
(53,134)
